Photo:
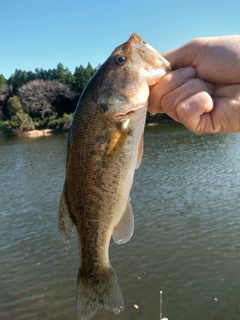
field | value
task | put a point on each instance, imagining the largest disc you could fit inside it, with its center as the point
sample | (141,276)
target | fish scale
(105,146)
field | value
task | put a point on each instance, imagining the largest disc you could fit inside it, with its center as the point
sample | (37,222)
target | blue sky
(43,33)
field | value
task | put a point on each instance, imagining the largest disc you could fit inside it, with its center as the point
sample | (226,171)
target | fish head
(149,59)
(127,74)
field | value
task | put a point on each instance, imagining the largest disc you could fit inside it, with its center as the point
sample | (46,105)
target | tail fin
(98,291)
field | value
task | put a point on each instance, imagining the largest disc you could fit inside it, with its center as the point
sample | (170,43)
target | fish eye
(120,60)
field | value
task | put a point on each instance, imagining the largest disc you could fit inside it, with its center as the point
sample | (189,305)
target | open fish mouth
(157,65)
(159,68)
(149,59)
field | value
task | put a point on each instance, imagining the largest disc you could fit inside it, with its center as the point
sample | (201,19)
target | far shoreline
(155,120)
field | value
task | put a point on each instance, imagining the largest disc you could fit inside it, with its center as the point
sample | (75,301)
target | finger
(184,55)
(231,91)
(172,100)
(215,59)
(195,112)
(226,113)
(168,83)
(220,112)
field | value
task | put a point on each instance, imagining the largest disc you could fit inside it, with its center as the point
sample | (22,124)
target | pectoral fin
(140,153)
(65,223)
(118,139)
(123,232)
(116,143)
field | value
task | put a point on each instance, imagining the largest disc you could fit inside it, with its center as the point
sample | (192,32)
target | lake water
(186,202)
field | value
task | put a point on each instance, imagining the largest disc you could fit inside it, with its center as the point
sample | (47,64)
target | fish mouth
(160,67)
(157,72)
(162,64)
(148,53)
(149,59)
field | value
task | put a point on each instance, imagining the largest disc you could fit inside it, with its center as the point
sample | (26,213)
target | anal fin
(123,232)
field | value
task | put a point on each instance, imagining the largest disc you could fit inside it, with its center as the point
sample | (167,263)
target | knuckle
(168,102)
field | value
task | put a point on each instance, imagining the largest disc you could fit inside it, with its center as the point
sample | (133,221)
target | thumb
(179,57)
(167,84)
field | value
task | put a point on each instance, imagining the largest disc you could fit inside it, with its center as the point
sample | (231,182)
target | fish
(105,146)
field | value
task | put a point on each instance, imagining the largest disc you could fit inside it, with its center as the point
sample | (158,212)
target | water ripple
(187,230)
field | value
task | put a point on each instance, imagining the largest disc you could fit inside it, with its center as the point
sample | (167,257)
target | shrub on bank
(3,127)
(62,123)
(19,123)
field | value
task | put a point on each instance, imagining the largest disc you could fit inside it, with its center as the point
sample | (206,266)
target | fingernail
(187,73)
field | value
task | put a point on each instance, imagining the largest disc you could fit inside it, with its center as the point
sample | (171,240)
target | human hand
(204,93)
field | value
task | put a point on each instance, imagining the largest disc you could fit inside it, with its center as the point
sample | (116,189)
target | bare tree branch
(39,97)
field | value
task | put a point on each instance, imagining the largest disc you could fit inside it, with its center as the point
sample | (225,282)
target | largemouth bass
(105,146)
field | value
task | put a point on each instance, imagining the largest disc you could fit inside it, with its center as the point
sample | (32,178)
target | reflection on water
(186,241)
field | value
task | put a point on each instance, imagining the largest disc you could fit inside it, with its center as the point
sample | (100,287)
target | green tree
(3,81)
(4,94)
(20,122)
(31,76)
(41,74)
(82,76)
(13,106)
(62,123)
(60,74)
(64,75)
(3,127)
(18,79)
